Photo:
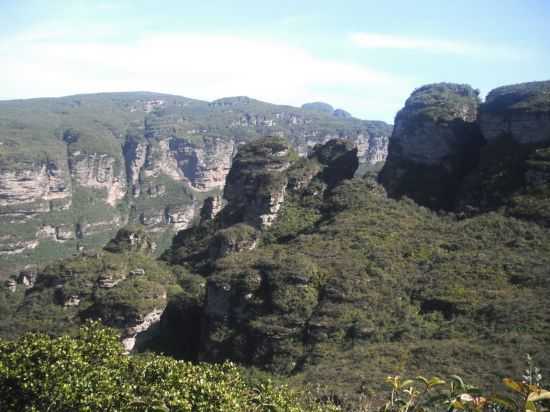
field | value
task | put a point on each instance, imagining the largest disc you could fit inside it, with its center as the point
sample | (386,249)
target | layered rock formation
(84,166)
(265,175)
(122,285)
(39,182)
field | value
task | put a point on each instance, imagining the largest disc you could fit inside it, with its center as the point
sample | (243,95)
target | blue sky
(364,56)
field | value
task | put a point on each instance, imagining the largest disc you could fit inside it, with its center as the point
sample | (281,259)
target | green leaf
(423,380)
(435,381)
(530,406)
(457,379)
(407,383)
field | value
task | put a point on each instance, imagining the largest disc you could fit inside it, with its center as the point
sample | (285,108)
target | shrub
(89,372)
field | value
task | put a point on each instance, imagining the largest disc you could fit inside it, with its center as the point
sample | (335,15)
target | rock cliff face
(447,151)
(256,184)
(512,174)
(433,145)
(98,171)
(83,166)
(519,111)
(40,183)
(265,175)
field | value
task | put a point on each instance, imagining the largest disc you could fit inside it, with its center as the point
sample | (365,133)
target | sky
(360,55)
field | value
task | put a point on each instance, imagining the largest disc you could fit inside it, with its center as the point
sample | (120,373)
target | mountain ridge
(75,168)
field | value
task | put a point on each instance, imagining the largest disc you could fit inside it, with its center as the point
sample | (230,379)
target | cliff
(343,278)
(434,144)
(346,279)
(449,151)
(73,170)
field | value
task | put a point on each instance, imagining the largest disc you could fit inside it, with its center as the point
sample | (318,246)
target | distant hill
(76,168)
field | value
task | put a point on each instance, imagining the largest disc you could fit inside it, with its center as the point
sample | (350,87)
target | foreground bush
(453,395)
(90,372)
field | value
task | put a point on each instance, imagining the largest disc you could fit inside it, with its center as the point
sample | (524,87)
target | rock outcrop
(99,171)
(131,239)
(450,152)
(512,174)
(145,323)
(114,159)
(435,143)
(256,184)
(263,174)
(339,161)
(212,205)
(520,111)
(39,182)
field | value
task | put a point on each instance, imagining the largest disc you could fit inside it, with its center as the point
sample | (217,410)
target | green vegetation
(421,394)
(117,287)
(89,372)
(510,177)
(530,97)
(83,131)
(366,283)
(441,101)
(346,286)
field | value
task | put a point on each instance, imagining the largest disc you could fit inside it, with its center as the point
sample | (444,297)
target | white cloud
(194,65)
(431,45)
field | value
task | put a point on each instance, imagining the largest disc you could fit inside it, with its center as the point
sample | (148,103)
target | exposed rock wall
(448,151)
(255,187)
(111,159)
(205,165)
(523,127)
(99,171)
(520,111)
(40,182)
(433,145)
(132,332)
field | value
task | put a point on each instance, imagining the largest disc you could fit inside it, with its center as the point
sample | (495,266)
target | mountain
(450,151)
(75,169)
(439,265)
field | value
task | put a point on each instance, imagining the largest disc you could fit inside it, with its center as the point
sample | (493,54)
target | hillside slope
(75,169)
(313,274)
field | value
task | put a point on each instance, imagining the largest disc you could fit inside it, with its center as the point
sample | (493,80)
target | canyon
(75,169)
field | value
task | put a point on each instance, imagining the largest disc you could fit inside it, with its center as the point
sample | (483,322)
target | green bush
(89,372)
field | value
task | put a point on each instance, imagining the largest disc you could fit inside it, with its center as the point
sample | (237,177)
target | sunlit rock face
(255,187)
(99,171)
(435,142)
(39,182)
(74,170)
